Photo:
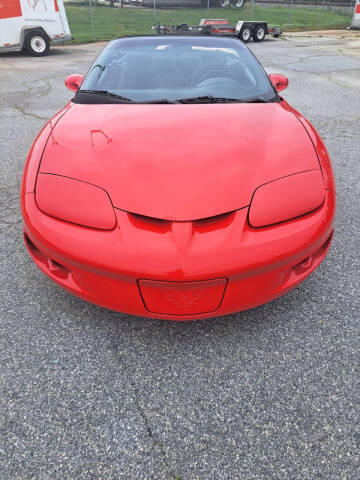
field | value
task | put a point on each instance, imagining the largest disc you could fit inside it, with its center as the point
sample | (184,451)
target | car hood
(178,162)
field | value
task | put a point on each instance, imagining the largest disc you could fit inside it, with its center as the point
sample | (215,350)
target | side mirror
(279,81)
(73,82)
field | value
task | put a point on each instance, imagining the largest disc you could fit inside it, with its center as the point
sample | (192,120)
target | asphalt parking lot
(272,393)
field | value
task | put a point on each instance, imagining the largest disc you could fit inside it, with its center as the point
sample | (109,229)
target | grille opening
(149,223)
(34,250)
(326,244)
(217,222)
(215,219)
(29,243)
(144,218)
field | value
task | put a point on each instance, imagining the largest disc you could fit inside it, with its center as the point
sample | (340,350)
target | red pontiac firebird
(177,183)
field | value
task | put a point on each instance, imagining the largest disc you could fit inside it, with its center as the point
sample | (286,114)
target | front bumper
(247,266)
(62,39)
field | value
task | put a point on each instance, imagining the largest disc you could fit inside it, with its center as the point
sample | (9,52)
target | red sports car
(177,183)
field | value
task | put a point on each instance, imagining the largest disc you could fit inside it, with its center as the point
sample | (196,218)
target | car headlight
(74,201)
(286,198)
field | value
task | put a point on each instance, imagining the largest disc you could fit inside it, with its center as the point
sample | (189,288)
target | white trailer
(32,25)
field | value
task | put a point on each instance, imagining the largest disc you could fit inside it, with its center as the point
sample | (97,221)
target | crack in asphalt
(20,109)
(306,58)
(157,446)
(35,94)
(302,59)
(30,89)
(327,74)
(317,72)
(48,89)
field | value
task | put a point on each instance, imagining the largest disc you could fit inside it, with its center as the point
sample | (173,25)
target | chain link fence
(96,20)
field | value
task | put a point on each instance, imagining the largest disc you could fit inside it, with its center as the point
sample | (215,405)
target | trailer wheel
(245,34)
(228,3)
(259,34)
(37,43)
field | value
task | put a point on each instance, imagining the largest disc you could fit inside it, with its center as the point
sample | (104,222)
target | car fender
(36,152)
(319,146)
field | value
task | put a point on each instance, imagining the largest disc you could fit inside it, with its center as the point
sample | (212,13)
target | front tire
(239,3)
(37,44)
(259,34)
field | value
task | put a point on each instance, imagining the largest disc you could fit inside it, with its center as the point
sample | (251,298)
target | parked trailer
(244,30)
(190,3)
(32,24)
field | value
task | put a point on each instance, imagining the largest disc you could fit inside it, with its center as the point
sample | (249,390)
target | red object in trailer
(178,207)
(214,21)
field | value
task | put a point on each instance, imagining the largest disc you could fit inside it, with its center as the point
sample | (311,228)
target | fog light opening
(58,269)
(304,265)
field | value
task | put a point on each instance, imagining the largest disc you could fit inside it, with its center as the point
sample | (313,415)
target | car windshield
(171,68)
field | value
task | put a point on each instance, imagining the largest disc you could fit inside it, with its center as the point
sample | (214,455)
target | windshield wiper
(211,99)
(207,99)
(160,100)
(105,93)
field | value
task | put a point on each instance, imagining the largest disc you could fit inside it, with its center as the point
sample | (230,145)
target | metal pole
(155,20)
(290,12)
(252,9)
(92,21)
(207,8)
(321,12)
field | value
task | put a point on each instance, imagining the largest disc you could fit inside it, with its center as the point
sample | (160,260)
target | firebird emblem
(183,298)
